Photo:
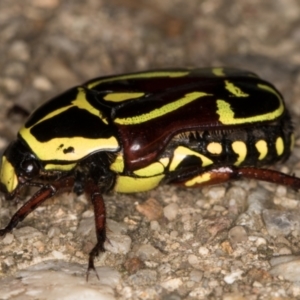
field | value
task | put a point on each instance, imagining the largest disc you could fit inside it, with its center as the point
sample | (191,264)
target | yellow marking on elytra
(171,74)
(127,184)
(236,91)
(214,148)
(262,148)
(292,141)
(57,167)
(227,115)
(180,153)
(198,179)
(240,149)
(279,145)
(151,170)
(8,175)
(218,72)
(164,110)
(82,146)
(118,165)
(119,97)
(81,102)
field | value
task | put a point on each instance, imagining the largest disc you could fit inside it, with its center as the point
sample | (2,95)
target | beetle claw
(91,266)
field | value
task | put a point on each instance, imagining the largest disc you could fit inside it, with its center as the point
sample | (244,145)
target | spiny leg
(100,222)
(37,199)
(272,176)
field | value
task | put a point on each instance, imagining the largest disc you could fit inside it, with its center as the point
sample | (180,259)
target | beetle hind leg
(272,176)
(100,222)
(199,178)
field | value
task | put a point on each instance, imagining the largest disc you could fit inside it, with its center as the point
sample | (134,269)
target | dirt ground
(235,241)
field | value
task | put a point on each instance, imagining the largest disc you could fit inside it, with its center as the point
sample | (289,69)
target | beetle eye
(29,168)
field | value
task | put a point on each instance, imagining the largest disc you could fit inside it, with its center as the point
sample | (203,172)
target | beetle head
(18,166)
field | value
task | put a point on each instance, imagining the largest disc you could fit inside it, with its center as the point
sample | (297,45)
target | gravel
(239,240)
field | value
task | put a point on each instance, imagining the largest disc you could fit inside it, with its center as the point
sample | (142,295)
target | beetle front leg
(36,200)
(100,222)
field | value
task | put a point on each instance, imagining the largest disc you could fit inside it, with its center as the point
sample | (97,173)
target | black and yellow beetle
(129,133)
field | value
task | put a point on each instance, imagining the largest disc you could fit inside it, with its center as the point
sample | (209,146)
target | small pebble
(196,275)
(257,284)
(143,277)
(237,235)
(53,232)
(134,264)
(154,225)
(42,83)
(284,251)
(289,270)
(193,260)
(27,233)
(57,279)
(226,247)
(118,243)
(151,209)
(203,251)
(232,277)
(172,284)
(9,261)
(281,222)
(234,296)
(8,239)
(260,241)
(171,211)
(277,260)
(147,252)
(216,193)
(19,50)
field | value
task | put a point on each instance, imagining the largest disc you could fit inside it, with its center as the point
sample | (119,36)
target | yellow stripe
(236,91)
(119,97)
(262,148)
(214,148)
(240,149)
(52,150)
(198,179)
(171,74)
(227,114)
(54,167)
(126,184)
(81,102)
(8,175)
(118,165)
(218,72)
(158,112)
(180,153)
(279,145)
(151,170)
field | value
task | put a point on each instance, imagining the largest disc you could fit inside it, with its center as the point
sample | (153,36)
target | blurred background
(47,46)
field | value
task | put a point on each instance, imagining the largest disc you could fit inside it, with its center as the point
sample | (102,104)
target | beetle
(132,132)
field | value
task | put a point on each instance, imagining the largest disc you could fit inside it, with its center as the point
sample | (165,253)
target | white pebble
(171,211)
